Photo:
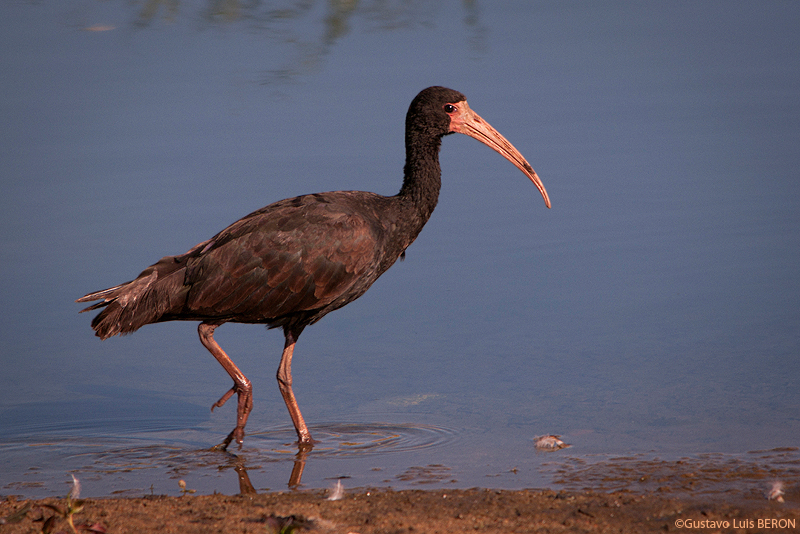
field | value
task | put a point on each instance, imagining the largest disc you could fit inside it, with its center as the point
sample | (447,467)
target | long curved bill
(464,120)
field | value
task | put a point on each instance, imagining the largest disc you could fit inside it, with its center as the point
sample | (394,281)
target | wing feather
(298,255)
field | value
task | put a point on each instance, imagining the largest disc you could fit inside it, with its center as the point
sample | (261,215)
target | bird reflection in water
(246,486)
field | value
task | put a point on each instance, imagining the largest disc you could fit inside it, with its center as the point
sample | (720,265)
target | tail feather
(106,294)
(129,306)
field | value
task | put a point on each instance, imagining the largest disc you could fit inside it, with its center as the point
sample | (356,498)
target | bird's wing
(293,256)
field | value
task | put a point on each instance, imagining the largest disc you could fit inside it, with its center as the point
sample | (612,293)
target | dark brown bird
(292,262)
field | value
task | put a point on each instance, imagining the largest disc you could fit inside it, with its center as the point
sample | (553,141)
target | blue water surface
(655,309)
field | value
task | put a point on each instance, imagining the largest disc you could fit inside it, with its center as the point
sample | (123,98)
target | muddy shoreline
(759,492)
(387,511)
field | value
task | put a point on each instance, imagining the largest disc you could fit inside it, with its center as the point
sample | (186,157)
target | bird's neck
(422,175)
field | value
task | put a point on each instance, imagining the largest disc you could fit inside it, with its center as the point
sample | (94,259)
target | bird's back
(290,260)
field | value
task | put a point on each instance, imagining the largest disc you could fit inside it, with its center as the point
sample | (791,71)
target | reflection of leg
(241,385)
(285,385)
(245,486)
(295,479)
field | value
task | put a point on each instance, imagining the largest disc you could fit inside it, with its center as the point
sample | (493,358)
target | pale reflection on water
(650,316)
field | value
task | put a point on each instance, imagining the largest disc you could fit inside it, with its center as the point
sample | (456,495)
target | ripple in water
(362,439)
(135,464)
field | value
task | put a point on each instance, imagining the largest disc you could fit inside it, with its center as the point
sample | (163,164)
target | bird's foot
(236,434)
(304,440)
(222,400)
(243,408)
(305,446)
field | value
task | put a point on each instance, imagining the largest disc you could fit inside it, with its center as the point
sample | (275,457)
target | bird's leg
(241,385)
(285,385)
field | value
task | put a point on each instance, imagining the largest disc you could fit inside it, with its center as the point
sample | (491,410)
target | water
(653,311)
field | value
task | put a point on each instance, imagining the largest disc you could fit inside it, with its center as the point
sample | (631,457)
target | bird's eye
(449,108)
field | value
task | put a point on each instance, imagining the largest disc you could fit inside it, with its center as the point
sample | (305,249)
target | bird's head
(439,111)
